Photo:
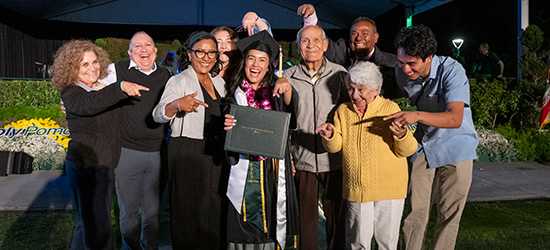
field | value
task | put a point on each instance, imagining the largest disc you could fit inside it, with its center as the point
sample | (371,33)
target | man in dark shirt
(484,65)
(361,47)
(138,171)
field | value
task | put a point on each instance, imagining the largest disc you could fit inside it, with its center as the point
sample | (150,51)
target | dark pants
(333,207)
(195,196)
(92,189)
(137,187)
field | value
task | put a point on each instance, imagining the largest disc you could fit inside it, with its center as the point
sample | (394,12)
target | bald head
(142,51)
(312,43)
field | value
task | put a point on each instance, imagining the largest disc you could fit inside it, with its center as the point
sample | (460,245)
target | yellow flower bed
(45,127)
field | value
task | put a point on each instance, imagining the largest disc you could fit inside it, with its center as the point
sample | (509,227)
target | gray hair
(299,35)
(137,33)
(366,73)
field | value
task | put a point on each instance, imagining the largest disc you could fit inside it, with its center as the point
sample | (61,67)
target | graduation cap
(261,41)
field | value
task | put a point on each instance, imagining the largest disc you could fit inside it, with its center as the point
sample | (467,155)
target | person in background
(170,63)
(229,57)
(447,140)
(375,155)
(92,114)
(459,58)
(363,37)
(484,65)
(226,38)
(137,176)
(319,87)
(191,104)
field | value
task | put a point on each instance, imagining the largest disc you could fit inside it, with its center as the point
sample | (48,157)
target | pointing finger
(201,103)
(394,115)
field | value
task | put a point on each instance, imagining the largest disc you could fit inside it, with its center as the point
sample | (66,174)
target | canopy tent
(335,14)
(30,30)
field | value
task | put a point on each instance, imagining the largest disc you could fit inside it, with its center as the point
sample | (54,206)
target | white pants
(379,218)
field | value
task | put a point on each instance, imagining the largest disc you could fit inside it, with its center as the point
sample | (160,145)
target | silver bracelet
(179,110)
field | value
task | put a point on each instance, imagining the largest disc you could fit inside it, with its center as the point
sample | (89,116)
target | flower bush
(37,138)
(495,146)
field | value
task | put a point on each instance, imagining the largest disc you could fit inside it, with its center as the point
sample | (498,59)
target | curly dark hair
(67,58)
(194,38)
(270,78)
(417,41)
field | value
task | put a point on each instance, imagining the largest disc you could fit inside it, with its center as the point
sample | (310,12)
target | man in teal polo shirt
(439,88)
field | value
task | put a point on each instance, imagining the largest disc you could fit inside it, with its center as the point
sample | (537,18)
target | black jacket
(93,124)
(339,52)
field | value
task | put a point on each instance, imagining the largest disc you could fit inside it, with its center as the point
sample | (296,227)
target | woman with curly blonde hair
(66,63)
(94,149)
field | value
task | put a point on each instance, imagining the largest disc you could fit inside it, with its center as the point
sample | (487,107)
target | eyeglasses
(200,54)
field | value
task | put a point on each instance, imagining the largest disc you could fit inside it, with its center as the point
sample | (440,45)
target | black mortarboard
(261,41)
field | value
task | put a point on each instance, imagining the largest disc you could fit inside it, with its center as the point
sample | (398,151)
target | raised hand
(249,22)
(306,10)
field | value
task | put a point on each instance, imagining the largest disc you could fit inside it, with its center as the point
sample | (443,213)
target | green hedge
(531,144)
(117,48)
(493,102)
(29,99)
(28,93)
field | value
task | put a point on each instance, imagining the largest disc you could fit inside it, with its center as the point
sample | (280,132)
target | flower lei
(264,99)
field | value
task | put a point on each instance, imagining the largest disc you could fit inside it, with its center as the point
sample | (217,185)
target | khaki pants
(453,185)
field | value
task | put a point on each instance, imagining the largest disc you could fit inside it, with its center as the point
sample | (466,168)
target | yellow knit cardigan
(374,161)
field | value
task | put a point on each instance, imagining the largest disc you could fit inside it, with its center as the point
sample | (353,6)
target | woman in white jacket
(191,103)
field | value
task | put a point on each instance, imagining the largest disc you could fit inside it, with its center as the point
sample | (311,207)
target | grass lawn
(500,225)
(36,231)
(506,225)
(485,225)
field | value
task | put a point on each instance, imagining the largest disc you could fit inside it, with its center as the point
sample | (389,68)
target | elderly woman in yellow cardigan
(374,160)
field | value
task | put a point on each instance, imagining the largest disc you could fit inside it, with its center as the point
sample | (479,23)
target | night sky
(475,21)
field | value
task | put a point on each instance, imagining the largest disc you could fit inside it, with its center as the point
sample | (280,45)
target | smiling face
(312,45)
(362,38)
(361,95)
(256,65)
(202,65)
(143,51)
(225,45)
(88,71)
(413,67)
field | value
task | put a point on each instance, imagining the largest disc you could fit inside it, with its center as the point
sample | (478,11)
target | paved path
(509,181)
(49,190)
(41,190)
